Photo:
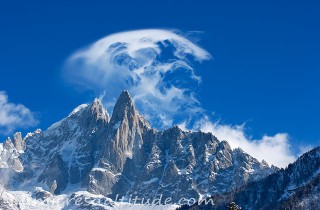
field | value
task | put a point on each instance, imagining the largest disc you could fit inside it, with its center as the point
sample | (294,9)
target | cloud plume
(154,65)
(14,116)
(158,67)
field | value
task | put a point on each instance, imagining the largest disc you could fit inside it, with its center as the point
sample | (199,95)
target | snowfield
(23,200)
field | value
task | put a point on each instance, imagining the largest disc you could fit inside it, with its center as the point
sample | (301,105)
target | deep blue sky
(265,71)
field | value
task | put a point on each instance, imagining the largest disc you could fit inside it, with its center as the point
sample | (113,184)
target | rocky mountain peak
(99,111)
(125,99)
(126,133)
(18,142)
(8,144)
(124,107)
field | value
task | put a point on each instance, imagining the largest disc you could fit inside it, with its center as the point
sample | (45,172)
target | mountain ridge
(123,155)
(295,187)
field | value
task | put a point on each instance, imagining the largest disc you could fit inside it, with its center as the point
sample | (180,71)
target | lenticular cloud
(156,66)
(158,69)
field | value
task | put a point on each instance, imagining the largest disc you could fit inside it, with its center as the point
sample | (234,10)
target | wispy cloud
(158,69)
(13,116)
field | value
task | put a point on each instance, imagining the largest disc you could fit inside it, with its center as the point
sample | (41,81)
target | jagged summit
(124,108)
(125,98)
(125,94)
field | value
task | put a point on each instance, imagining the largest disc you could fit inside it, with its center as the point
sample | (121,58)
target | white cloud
(157,67)
(154,65)
(14,116)
(273,149)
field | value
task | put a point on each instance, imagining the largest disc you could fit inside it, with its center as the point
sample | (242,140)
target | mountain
(91,155)
(296,187)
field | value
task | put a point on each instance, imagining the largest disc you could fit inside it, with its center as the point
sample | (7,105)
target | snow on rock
(117,125)
(77,109)
(55,125)
(151,181)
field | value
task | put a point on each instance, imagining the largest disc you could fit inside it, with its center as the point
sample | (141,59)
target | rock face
(18,142)
(124,156)
(296,187)
(189,165)
(9,162)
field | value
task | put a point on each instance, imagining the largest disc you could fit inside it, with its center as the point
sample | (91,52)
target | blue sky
(264,71)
